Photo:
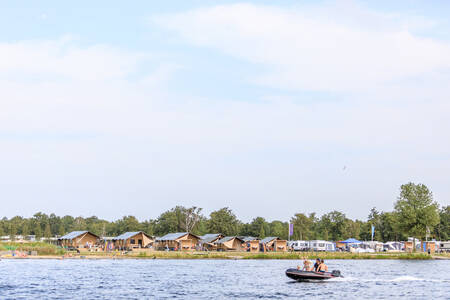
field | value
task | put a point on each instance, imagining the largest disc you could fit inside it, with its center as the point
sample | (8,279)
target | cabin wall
(280,246)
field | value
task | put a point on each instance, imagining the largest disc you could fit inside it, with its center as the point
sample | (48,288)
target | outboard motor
(336,273)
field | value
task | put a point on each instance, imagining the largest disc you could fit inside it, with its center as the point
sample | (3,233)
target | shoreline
(239,255)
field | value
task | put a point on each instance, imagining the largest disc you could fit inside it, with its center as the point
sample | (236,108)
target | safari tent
(130,240)
(230,243)
(251,244)
(79,239)
(269,243)
(208,241)
(177,241)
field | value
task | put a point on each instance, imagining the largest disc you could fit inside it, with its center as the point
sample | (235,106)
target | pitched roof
(248,238)
(74,234)
(175,236)
(269,239)
(210,237)
(227,239)
(127,235)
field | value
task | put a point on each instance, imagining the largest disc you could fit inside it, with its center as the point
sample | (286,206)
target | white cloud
(63,58)
(332,48)
(90,125)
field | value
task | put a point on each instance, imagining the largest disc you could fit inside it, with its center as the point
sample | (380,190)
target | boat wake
(397,279)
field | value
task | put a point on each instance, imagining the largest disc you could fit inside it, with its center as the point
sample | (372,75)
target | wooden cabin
(208,241)
(268,244)
(250,244)
(131,240)
(79,239)
(230,243)
(178,241)
(280,246)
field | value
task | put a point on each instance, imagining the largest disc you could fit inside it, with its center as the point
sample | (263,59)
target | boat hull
(308,275)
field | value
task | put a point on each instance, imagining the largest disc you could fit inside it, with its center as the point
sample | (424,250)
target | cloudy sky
(111,108)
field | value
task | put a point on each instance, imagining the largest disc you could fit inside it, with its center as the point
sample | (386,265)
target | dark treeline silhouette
(389,226)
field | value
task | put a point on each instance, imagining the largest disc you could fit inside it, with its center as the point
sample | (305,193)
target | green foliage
(443,229)
(415,210)
(224,221)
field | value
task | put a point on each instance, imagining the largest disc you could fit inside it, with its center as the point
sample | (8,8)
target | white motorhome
(444,246)
(299,245)
(319,245)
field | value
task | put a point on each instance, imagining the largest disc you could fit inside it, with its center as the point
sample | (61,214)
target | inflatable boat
(311,275)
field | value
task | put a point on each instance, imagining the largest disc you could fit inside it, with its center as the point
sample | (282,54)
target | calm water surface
(218,279)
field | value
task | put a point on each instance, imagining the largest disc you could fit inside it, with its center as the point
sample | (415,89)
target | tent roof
(248,238)
(269,239)
(127,235)
(210,237)
(351,241)
(74,234)
(228,238)
(175,236)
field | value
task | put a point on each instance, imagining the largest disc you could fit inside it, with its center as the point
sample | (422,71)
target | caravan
(299,245)
(319,245)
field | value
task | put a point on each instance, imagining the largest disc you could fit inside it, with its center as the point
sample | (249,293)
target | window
(321,245)
(132,241)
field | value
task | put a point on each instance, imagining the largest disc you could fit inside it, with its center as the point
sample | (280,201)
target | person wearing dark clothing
(316,265)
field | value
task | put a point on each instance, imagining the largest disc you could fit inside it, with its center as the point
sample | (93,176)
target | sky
(269,108)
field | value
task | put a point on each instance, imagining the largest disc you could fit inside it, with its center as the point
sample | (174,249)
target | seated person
(323,267)
(306,265)
(316,265)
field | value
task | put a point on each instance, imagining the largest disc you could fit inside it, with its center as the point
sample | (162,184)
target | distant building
(208,241)
(79,239)
(130,240)
(230,243)
(273,243)
(251,244)
(177,241)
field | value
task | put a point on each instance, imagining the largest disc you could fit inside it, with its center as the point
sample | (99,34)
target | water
(218,279)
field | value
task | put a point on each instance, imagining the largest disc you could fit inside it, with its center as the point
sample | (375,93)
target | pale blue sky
(112,109)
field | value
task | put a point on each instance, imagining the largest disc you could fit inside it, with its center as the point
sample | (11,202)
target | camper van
(299,245)
(319,245)
(444,246)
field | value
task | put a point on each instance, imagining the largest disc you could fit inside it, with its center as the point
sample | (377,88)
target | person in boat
(306,265)
(323,267)
(316,265)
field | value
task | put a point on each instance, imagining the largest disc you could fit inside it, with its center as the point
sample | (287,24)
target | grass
(269,255)
(40,247)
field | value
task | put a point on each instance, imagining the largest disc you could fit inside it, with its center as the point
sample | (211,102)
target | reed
(40,248)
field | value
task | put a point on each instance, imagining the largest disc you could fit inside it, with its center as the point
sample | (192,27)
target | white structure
(319,245)
(444,246)
(299,245)
(393,246)
(374,245)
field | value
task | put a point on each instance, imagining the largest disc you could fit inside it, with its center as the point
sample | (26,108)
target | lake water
(218,279)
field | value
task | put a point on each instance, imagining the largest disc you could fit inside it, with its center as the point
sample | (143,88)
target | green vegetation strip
(271,255)
(40,248)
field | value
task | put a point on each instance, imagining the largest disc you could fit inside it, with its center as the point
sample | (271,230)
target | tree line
(415,214)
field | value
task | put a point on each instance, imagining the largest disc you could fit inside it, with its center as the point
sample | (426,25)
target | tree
(303,226)
(170,221)
(25,229)
(415,210)
(258,228)
(333,224)
(47,231)
(443,228)
(279,229)
(191,218)
(223,221)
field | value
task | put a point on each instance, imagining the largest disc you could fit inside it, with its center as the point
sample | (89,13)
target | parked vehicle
(319,245)
(444,246)
(299,245)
